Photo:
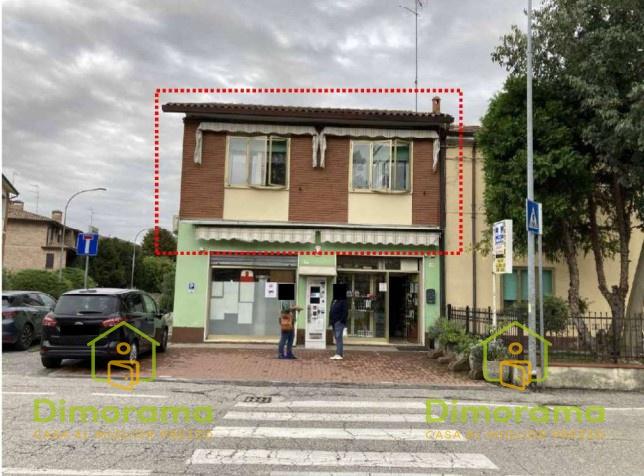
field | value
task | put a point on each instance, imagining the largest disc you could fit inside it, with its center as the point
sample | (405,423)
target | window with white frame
(383,165)
(257,161)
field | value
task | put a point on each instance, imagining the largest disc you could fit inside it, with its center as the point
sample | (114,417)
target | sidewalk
(312,366)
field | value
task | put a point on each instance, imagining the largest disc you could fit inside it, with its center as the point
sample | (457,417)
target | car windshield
(83,304)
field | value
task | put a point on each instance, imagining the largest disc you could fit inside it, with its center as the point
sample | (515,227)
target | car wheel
(164,340)
(26,337)
(51,362)
(134,351)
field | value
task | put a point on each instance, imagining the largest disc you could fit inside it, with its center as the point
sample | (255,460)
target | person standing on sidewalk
(339,315)
(287,327)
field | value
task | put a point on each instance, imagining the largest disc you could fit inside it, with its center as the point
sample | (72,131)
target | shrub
(76,278)
(448,332)
(167,289)
(466,343)
(6,279)
(496,350)
(40,280)
(555,313)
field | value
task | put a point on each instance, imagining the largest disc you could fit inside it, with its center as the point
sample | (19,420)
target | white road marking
(375,459)
(28,393)
(340,417)
(336,473)
(404,405)
(129,395)
(78,472)
(406,434)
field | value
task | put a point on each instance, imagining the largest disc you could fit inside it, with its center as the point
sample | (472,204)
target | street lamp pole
(532,321)
(134,255)
(62,242)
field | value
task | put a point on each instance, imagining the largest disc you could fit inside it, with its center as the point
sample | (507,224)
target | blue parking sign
(87,244)
(533,216)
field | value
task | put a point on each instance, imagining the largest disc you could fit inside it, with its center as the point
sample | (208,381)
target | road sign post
(534,226)
(87,245)
(502,248)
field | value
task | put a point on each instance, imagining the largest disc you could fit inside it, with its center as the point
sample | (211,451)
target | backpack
(286,322)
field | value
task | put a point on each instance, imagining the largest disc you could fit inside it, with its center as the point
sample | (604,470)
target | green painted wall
(190,309)
(431,270)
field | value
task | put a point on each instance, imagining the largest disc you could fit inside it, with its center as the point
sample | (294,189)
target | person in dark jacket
(339,315)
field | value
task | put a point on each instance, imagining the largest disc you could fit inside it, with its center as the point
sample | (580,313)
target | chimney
(436,105)
(17,205)
(57,215)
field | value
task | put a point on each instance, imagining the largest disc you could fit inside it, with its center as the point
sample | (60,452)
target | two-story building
(279,203)
(34,241)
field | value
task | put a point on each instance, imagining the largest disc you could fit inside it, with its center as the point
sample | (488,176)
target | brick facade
(426,186)
(202,185)
(309,185)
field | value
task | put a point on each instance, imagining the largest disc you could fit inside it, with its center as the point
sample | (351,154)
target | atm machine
(316,319)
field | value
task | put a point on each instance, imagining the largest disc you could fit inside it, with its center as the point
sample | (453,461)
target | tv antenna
(417,3)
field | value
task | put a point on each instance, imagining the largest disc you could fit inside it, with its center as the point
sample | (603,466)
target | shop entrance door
(403,309)
(315,313)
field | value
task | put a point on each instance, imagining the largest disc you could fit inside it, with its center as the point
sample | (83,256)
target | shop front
(392,297)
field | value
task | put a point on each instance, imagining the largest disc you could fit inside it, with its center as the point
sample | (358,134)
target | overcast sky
(79,78)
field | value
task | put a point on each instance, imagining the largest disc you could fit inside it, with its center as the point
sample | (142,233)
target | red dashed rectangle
(157,100)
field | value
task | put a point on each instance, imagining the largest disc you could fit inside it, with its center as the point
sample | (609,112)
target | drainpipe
(474,224)
(443,219)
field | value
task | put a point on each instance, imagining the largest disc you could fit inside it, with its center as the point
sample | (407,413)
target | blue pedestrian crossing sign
(87,244)
(533,218)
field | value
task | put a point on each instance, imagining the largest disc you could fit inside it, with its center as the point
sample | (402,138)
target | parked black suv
(81,315)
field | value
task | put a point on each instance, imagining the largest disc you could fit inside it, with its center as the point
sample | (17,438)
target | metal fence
(591,337)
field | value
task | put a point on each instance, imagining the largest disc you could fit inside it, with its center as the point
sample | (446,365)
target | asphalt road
(319,430)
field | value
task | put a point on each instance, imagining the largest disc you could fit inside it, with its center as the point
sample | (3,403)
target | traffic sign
(533,217)
(87,244)
(502,233)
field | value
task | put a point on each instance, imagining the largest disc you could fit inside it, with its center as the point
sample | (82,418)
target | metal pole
(493,299)
(532,351)
(416,76)
(62,242)
(542,329)
(86,271)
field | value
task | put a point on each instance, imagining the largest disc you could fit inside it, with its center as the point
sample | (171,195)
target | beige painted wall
(380,208)
(252,204)
(458,269)
(23,247)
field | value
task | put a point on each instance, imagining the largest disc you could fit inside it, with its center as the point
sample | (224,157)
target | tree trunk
(573,288)
(616,297)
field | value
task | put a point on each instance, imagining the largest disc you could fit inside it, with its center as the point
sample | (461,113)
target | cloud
(79,80)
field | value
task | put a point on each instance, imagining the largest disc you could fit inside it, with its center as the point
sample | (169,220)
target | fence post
(449,312)
(467,319)
(614,339)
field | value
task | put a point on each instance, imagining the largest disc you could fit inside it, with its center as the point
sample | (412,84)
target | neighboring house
(313,180)
(9,192)
(33,241)
(469,276)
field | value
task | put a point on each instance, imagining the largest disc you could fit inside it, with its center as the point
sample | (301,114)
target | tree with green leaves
(592,50)
(167,242)
(561,173)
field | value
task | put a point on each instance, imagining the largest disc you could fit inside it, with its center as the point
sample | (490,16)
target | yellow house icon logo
(522,366)
(133,366)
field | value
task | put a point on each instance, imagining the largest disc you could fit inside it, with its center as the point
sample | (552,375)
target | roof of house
(321,115)
(17,214)
(8,185)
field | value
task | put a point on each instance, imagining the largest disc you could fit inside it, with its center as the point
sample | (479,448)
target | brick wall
(23,247)
(426,186)
(202,185)
(316,195)
(319,195)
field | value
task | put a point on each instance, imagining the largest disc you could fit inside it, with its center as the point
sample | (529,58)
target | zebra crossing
(302,437)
